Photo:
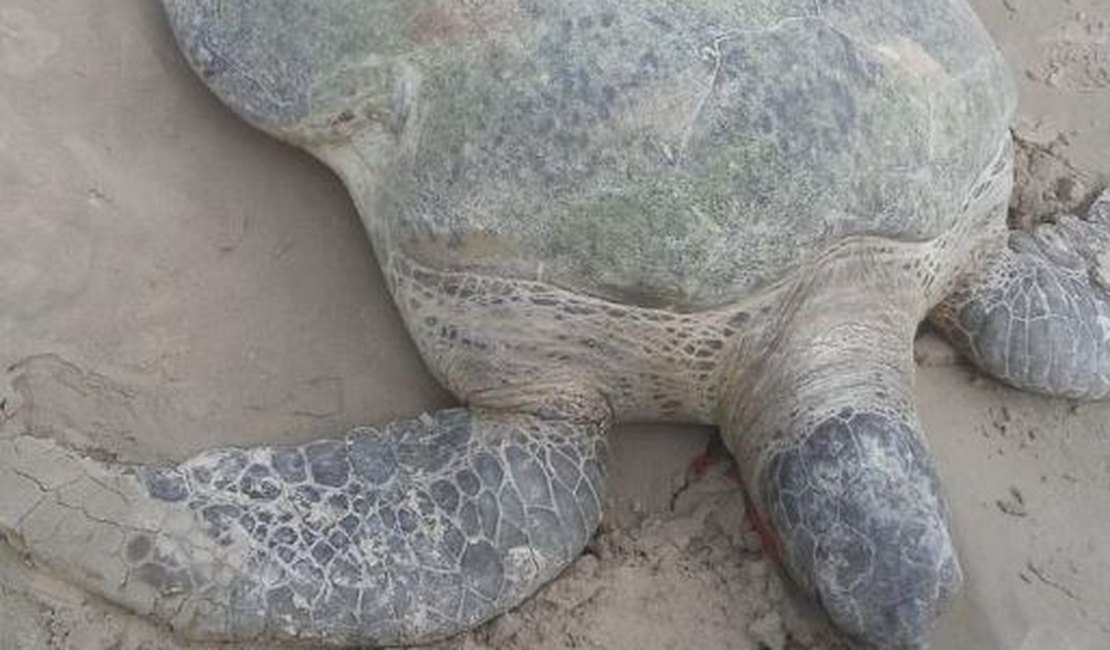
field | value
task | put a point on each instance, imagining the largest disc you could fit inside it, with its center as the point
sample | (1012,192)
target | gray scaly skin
(1037,314)
(588,211)
(404,534)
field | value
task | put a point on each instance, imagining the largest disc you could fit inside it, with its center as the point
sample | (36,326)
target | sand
(173,280)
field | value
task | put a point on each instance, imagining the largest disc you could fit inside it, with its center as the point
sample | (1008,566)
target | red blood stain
(767,536)
(701,463)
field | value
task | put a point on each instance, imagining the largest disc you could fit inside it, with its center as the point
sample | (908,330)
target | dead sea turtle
(588,211)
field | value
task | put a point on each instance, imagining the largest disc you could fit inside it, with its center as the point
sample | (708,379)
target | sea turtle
(595,211)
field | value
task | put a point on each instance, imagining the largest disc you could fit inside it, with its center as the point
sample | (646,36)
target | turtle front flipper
(403,535)
(840,481)
(1037,315)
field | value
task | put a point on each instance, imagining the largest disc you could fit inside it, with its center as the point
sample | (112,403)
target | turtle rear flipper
(308,72)
(1037,316)
(404,535)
